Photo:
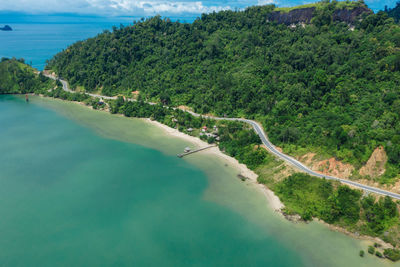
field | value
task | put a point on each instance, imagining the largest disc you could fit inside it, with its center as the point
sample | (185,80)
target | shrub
(378,254)
(371,250)
(392,254)
(362,253)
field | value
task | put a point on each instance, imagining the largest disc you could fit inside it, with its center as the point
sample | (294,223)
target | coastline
(224,191)
(273,200)
(365,238)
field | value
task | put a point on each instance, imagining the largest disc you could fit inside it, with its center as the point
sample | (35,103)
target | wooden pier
(194,151)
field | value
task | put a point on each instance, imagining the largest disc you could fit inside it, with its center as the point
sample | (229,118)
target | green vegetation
(362,253)
(312,197)
(380,215)
(371,250)
(16,77)
(340,205)
(394,12)
(392,254)
(319,86)
(288,9)
(321,5)
(378,254)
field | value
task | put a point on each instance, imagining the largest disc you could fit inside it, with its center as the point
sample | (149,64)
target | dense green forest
(326,86)
(394,12)
(16,77)
(340,205)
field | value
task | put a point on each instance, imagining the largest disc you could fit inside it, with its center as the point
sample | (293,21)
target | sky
(149,7)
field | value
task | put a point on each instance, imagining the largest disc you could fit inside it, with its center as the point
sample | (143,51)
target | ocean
(80,187)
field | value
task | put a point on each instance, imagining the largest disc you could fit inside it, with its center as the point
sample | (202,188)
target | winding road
(260,132)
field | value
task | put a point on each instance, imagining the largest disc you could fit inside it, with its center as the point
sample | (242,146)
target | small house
(190,130)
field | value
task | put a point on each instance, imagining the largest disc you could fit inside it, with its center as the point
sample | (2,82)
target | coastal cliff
(305,15)
(350,16)
(301,15)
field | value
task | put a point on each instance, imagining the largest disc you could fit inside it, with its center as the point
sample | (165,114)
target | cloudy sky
(148,7)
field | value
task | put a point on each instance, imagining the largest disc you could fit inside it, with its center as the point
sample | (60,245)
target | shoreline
(273,200)
(357,236)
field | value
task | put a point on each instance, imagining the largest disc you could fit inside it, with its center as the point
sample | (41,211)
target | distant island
(6,28)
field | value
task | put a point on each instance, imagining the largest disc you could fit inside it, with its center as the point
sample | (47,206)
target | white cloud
(114,7)
(265,2)
(163,6)
(148,7)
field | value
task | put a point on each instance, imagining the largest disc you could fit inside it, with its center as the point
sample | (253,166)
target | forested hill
(17,77)
(324,85)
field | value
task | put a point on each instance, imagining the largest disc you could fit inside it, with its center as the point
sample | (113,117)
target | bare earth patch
(330,166)
(375,166)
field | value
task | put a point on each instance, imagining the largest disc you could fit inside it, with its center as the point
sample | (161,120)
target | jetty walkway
(194,151)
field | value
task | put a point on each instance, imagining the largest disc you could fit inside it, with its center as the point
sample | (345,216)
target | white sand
(273,200)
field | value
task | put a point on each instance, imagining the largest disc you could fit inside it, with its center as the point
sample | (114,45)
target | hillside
(16,77)
(346,11)
(325,87)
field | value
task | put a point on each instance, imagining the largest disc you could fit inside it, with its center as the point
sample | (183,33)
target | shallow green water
(86,188)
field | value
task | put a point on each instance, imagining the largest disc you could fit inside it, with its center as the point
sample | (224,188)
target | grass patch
(339,5)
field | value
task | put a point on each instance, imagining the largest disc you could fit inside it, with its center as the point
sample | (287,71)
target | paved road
(260,132)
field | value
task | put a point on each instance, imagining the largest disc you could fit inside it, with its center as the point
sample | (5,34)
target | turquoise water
(86,188)
(71,197)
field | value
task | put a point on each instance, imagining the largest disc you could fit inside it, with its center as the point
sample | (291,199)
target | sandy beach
(273,200)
